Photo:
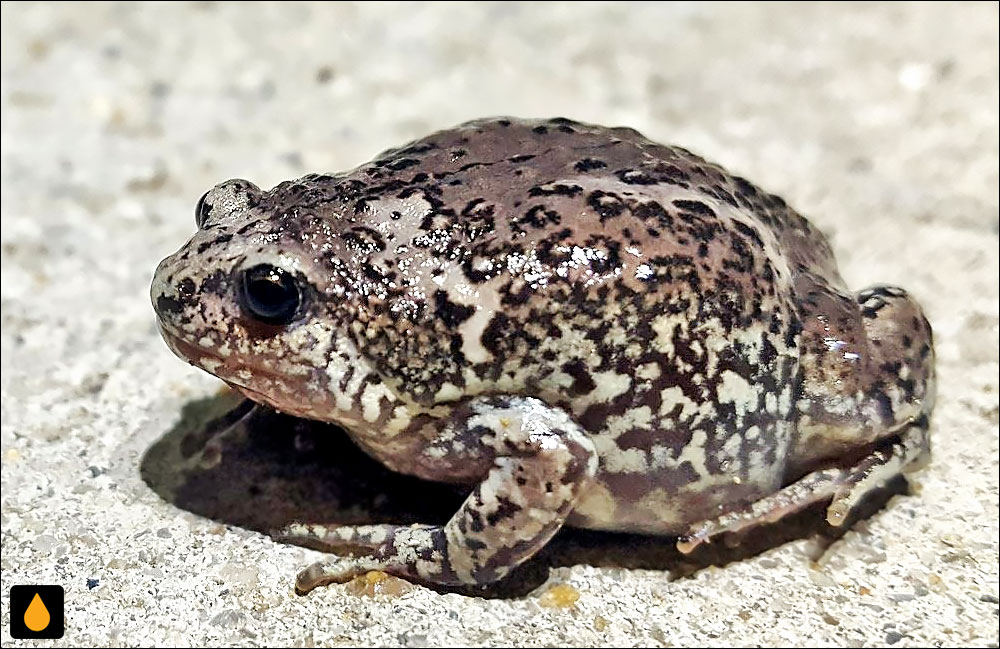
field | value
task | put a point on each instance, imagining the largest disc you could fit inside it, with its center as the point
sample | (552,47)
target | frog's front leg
(846,487)
(537,462)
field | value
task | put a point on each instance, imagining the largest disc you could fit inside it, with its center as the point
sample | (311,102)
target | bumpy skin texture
(587,326)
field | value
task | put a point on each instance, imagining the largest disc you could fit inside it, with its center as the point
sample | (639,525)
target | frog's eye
(201,211)
(270,294)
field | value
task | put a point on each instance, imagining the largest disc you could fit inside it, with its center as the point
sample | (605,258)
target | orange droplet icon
(36,617)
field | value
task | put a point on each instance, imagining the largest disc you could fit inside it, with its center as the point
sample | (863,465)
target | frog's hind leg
(847,487)
(537,462)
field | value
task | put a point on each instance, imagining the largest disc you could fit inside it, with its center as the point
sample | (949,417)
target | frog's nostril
(170,298)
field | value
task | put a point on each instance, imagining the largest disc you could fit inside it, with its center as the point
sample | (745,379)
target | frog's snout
(166,299)
(174,294)
(160,294)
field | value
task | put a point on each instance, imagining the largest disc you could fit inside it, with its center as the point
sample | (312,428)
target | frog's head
(253,299)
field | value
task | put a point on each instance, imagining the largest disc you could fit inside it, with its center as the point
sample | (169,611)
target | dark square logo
(36,612)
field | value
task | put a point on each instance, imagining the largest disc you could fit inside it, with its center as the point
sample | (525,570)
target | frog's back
(643,289)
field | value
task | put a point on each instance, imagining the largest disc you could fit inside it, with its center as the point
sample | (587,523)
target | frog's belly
(637,503)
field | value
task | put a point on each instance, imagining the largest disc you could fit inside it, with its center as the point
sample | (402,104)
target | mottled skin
(583,325)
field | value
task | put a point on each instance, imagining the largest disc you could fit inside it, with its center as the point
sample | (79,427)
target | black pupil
(201,211)
(270,294)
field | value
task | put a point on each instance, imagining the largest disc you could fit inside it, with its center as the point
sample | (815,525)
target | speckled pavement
(877,121)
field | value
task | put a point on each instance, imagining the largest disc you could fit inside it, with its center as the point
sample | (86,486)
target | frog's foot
(539,461)
(368,547)
(846,486)
(202,447)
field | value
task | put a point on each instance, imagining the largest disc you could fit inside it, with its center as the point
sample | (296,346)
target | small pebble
(561,596)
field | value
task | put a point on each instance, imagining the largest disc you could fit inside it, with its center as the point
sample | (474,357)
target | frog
(575,324)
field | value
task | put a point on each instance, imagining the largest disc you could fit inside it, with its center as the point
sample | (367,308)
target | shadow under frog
(242,464)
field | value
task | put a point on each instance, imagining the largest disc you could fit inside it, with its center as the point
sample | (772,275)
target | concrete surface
(879,122)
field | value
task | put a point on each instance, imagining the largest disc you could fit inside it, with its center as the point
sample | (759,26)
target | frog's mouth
(255,396)
(248,379)
(206,359)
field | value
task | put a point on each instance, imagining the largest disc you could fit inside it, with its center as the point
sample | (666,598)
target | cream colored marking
(210,364)
(574,343)
(608,386)
(400,420)
(471,332)
(694,452)
(662,508)
(663,326)
(634,418)
(556,380)
(673,395)
(377,534)
(660,456)
(336,369)
(597,503)
(734,388)
(616,336)
(371,397)
(648,371)
(630,460)
(731,447)
(312,344)
(758,471)
(447,392)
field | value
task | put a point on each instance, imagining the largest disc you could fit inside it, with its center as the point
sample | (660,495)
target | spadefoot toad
(584,326)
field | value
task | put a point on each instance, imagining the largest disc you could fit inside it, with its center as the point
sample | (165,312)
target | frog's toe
(812,488)
(339,571)
(910,452)
(701,533)
(845,487)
